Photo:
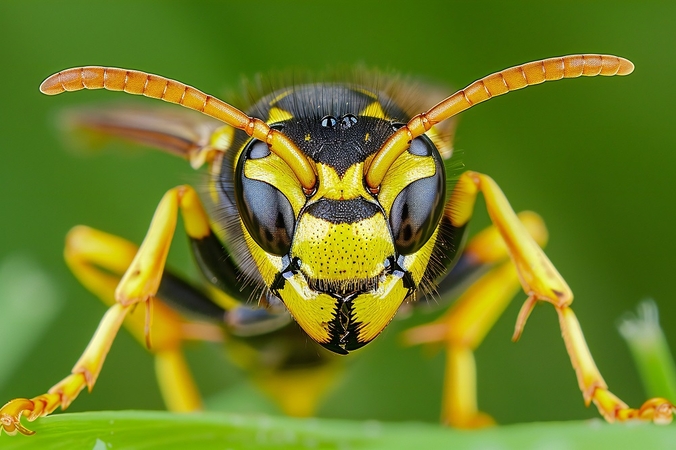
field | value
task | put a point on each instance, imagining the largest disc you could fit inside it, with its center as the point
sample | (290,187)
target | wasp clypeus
(328,205)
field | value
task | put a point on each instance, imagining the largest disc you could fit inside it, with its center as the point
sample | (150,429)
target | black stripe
(343,211)
(219,268)
(186,298)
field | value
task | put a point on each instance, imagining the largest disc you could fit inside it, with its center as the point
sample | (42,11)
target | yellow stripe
(376,310)
(333,187)
(278,115)
(313,311)
(274,171)
(374,109)
(405,170)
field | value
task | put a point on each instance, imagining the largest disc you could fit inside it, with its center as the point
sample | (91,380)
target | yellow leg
(84,373)
(466,323)
(142,279)
(542,282)
(298,391)
(87,252)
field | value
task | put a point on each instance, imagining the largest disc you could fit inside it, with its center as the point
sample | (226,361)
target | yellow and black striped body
(342,259)
(328,201)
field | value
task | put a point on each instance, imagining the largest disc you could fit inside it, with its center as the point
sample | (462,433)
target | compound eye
(417,209)
(264,209)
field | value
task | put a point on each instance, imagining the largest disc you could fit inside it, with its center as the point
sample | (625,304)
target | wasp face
(342,259)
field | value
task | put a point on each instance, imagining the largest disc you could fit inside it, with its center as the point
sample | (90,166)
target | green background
(595,157)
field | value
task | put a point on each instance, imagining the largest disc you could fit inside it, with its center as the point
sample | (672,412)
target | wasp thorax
(343,245)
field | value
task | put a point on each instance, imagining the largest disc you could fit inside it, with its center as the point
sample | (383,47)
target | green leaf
(146,430)
(650,350)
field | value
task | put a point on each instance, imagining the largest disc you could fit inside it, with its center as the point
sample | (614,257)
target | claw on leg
(98,260)
(84,374)
(593,386)
(61,394)
(542,282)
(10,416)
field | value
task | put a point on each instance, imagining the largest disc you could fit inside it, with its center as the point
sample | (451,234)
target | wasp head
(343,258)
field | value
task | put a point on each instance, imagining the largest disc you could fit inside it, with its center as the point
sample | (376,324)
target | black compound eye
(329,122)
(421,147)
(264,209)
(417,209)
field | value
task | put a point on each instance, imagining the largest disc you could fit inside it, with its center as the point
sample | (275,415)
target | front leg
(542,282)
(139,284)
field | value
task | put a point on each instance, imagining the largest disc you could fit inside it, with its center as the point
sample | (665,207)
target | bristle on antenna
(499,83)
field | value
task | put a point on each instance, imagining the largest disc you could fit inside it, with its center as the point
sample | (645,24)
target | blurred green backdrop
(595,157)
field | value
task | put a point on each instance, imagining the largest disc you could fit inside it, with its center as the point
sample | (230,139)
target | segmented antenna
(499,83)
(155,86)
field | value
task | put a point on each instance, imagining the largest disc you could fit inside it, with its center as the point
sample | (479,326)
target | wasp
(328,207)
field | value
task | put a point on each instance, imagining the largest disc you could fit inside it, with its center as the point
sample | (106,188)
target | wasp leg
(87,252)
(463,327)
(143,269)
(84,373)
(542,282)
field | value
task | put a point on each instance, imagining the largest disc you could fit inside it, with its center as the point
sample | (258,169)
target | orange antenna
(155,86)
(499,83)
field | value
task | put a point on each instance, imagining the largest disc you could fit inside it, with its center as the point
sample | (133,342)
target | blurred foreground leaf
(650,351)
(146,430)
(29,302)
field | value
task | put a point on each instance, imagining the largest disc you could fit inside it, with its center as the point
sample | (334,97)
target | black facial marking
(343,211)
(330,113)
(344,328)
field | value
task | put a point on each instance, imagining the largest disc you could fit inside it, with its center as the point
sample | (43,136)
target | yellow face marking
(268,265)
(341,256)
(274,171)
(308,138)
(278,115)
(405,170)
(344,252)
(417,262)
(374,109)
(367,137)
(312,310)
(333,187)
(376,310)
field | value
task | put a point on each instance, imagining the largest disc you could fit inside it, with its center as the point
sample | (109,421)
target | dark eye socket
(417,209)
(264,209)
